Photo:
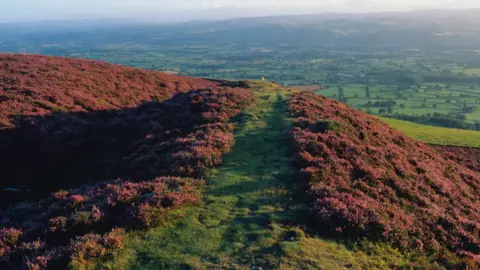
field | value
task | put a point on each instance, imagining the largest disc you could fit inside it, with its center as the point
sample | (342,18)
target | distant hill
(428,29)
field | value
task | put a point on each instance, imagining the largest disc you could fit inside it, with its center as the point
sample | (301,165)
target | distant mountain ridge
(433,30)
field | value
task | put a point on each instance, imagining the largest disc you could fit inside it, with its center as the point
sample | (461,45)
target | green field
(436,135)
(421,100)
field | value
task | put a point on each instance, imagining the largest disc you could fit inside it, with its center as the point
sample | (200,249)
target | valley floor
(250,212)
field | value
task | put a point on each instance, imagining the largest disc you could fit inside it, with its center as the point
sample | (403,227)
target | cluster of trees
(438,119)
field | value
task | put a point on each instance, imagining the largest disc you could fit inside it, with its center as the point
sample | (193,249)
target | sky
(182,10)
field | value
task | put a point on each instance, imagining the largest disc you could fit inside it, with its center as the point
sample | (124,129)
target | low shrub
(365,179)
(46,227)
(181,137)
(94,246)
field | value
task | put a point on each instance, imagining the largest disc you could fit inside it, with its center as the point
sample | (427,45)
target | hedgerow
(365,179)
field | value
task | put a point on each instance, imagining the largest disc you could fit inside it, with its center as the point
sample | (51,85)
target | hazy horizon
(184,10)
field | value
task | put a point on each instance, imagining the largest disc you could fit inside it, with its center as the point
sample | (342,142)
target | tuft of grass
(317,253)
(325,125)
(435,135)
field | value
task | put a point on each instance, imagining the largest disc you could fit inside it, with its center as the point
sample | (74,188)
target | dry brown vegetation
(309,88)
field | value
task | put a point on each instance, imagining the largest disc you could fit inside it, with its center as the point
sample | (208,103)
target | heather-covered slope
(64,121)
(141,147)
(180,136)
(156,159)
(366,179)
(467,156)
(38,85)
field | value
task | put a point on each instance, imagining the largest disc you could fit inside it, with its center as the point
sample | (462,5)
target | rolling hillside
(172,172)
(436,135)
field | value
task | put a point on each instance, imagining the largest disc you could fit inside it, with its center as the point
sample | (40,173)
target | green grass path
(250,204)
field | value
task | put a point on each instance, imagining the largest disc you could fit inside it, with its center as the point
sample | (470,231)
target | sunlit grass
(436,135)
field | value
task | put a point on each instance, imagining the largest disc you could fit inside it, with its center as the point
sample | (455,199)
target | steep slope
(38,85)
(68,122)
(461,146)
(145,148)
(467,156)
(366,179)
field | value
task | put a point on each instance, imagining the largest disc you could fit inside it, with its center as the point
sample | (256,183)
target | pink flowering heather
(181,137)
(76,199)
(95,246)
(10,236)
(114,240)
(60,195)
(366,179)
(58,224)
(38,263)
(205,114)
(4,249)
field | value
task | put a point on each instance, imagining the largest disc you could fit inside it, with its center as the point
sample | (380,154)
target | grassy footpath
(435,135)
(250,207)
